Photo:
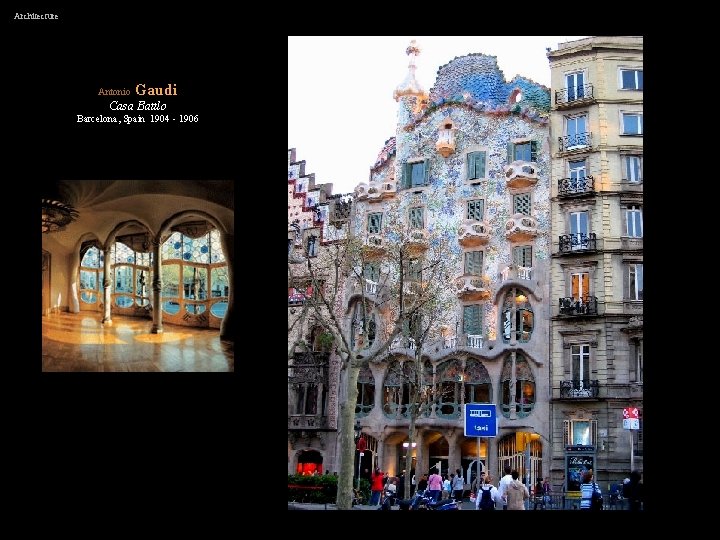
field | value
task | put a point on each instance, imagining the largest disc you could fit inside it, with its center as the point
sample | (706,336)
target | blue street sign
(480,420)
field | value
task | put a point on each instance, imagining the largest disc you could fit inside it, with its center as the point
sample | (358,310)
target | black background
(156,436)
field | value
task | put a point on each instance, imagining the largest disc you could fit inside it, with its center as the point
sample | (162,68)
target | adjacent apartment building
(596,270)
(317,223)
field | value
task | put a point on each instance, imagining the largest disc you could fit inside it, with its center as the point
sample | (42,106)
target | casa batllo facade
(468,166)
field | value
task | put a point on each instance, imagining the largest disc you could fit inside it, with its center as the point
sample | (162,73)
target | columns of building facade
(73,302)
(157,327)
(454,438)
(491,459)
(107,291)
(227,327)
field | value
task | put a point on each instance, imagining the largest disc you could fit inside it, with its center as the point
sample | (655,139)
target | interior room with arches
(137,275)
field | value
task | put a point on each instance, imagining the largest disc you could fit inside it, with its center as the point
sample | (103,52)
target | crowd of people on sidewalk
(510,494)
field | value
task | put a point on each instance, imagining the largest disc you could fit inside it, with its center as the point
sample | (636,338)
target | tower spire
(410,86)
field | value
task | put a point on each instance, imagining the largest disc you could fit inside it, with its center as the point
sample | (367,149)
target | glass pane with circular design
(218,309)
(123,301)
(91,258)
(216,247)
(171,308)
(142,301)
(88,297)
(195,309)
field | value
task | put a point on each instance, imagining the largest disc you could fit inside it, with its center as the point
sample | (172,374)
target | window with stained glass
(195,276)
(91,277)
(131,276)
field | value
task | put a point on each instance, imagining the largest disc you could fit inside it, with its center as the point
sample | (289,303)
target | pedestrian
(504,482)
(539,494)
(435,485)
(401,485)
(422,483)
(458,486)
(447,483)
(376,485)
(633,492)
(547,489)
(516,493)
(494,495)
(590,494)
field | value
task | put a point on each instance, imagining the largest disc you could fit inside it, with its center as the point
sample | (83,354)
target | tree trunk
(347,444)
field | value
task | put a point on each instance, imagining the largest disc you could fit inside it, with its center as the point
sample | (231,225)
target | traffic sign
(631,418)
(480,420)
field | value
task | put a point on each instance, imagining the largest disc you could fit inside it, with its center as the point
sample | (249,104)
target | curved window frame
(170,255)
(516,373)
(518,319)
(139,301)
(98,271)
(366,393)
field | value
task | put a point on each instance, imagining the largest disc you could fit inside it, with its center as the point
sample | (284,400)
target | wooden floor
(79,342)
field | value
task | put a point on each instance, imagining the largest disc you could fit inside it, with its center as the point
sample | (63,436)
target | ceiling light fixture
(56,215)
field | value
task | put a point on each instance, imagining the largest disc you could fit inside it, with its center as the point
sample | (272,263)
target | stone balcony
(377,191)
(473,233)
(512,271)
(472,288)
(417,241)
(521,228)
(307,421)
(374,244)
(520,174)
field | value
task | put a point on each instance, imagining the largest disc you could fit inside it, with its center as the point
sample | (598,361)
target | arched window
(478,388)
(91,278)
(366,393)
(449,389)
(518,387)
(195,281)
(518,319)
(132,278)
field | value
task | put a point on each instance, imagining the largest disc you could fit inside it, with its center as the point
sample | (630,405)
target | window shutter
(480,165)
(426,165)
(407,175)
(471,166)
(533,151)
(510,148)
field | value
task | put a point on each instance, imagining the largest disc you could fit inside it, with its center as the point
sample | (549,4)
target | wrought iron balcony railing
(571,142)
(577,242)
(587,305)
(576,186)
(574,93)
(579,389)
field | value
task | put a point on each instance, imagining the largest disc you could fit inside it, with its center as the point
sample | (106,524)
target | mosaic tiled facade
(471,159)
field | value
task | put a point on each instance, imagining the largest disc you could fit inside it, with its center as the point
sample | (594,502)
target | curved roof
(476,78)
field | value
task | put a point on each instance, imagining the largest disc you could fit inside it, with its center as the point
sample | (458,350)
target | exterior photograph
(493,257)
(137,275)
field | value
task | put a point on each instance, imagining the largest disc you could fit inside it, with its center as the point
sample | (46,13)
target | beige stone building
(597,258)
